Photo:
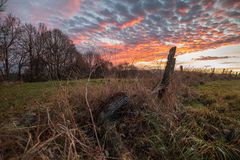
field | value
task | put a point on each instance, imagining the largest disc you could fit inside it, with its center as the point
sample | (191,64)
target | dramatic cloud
(131,23)
(145,28)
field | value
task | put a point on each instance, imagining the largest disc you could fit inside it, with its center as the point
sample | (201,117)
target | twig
(90,110)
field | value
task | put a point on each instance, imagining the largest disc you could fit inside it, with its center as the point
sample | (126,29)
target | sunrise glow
(142,31)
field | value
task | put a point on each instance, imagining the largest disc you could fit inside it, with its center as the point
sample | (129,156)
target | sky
(206,32)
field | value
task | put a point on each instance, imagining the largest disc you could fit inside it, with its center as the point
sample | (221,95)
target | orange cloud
(112,46)
(132,23)
(155,50)
(183,10)
(79,39)
(147,52)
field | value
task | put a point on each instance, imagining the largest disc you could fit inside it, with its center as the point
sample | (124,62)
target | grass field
(16,98)
(215,122)
(221,96)
(214,95)
(207,126)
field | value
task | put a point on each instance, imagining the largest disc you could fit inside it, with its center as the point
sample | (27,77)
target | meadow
(92,80)
(51,120)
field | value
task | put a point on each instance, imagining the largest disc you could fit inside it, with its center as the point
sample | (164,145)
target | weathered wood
(111,106)
(213,71)
(106,113)
(223,71)
(230,73)
(168,72)
(181,68)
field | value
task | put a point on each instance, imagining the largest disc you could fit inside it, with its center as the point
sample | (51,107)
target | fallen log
(110,107)
(105,114)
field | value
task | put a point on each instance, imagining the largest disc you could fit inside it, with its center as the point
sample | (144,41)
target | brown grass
(148,129)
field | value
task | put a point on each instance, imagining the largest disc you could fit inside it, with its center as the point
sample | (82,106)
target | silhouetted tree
(9,32)
(125,70)
(97,65)
(37,54)
(79,67)
(27,46)
(38,63)
(59,54)
(2,3)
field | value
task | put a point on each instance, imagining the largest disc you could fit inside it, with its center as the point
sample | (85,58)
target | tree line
(33,53)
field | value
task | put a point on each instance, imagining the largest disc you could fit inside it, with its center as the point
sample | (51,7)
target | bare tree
(39,50)
(59,53)
(27,45)
(9,32)
(19,60)
(96,64)
(2,3)
(79,67)
(41,54)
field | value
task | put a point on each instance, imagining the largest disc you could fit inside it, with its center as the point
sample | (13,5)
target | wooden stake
(168,72)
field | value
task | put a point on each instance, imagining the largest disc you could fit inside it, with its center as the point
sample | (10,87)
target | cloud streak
(207,58)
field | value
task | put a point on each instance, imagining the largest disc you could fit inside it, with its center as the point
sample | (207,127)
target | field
(197,122)
(16,98)
(120,80)
(220,96)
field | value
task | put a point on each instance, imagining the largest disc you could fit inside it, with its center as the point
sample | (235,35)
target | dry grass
(147,129)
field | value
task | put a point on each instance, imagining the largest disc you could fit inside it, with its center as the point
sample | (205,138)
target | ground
(206,126)
(212,121)
(16,98)
(220,96)
(215,95)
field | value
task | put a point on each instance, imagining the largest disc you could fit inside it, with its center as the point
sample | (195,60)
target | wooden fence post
(213,70)
(223,71)
(230,73)
(236,75)
(167,75)
(181,68)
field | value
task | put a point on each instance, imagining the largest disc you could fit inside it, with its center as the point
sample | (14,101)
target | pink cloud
(71,7)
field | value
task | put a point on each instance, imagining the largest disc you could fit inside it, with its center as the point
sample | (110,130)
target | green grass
(220,89)
(220,96)
(18,97)
(215,110)
(208,127)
